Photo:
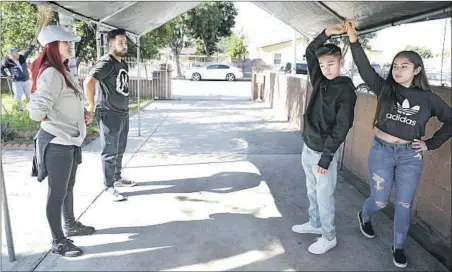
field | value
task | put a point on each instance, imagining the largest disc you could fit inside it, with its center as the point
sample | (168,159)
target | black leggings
(61,164)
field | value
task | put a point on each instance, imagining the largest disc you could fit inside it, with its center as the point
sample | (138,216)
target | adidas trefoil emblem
(405,108)
(404,111)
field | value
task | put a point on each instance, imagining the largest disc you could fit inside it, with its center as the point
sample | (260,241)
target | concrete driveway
(220,185)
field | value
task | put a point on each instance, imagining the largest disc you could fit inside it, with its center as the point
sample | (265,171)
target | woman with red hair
(57,101)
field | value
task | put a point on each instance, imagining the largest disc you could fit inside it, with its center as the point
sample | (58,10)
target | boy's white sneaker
(322,245)
(306,228)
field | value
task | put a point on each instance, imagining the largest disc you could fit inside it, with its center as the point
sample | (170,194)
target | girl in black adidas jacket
(406,103)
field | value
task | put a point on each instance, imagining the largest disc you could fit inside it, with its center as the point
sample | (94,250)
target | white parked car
(216,71)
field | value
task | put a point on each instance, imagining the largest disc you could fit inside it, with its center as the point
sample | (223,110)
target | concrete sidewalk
(220,185)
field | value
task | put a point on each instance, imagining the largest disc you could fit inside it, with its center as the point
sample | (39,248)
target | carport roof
(309,18)
(136,17)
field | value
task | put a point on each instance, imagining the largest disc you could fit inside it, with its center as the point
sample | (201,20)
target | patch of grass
(92,129)
(19,121)
(18,128)
(7,103)
(18,140)
(133,105)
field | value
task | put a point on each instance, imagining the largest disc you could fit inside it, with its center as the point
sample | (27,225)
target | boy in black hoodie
(328,118)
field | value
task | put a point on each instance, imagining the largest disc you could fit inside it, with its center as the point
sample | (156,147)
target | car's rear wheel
(230,77)
(196,77)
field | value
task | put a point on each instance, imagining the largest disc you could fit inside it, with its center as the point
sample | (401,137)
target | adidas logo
(405,108)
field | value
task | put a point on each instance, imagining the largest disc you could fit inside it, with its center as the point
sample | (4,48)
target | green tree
(151,43)
(18,25)
(236,47)
(223,45)
(210,21)
(177,38)
(85,50)
(424,52)
(155,40)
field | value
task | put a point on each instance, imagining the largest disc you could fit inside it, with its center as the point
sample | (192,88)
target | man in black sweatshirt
(328,118)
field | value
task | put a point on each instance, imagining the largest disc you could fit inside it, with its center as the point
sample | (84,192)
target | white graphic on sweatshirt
(122,82)
(404,110)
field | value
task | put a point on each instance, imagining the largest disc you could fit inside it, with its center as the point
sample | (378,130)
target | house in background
(278,54)
(185,55)
(374,56)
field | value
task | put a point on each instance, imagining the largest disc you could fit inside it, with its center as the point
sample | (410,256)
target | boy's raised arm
(313,64)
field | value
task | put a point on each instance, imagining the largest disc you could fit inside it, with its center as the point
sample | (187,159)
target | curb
(18,146)
(87,140)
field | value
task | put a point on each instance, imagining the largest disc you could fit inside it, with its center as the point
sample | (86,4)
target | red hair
(49,57)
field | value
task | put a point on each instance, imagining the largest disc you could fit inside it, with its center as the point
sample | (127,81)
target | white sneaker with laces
(306,228)
(322,245)
(114,194)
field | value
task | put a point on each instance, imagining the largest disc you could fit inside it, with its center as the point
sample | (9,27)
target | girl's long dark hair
(387,97)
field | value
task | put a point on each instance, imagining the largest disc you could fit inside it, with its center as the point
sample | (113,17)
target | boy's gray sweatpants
(320,190)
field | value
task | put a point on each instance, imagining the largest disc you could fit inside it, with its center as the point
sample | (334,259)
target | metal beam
(424,16)
(413,19)
(336,16)
(76,15)
(118,11)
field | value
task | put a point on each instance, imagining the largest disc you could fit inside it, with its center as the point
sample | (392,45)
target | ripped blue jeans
(393,164)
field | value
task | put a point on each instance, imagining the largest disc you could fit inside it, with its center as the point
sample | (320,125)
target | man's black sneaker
(66,248)
(398,257)
(365,227)
(78,229)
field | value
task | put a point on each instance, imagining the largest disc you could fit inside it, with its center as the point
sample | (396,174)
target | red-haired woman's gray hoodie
(63,107)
